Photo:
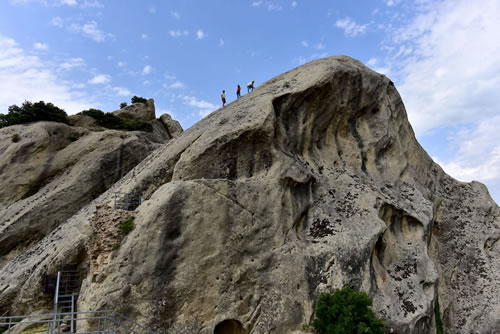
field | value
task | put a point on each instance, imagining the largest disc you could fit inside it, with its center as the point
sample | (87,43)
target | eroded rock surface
(138,111)
(313,181)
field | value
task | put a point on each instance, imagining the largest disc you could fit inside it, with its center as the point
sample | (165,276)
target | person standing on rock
(238,92)
(223,97)
(250,86)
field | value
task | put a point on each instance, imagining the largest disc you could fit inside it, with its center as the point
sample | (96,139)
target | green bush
(127,226)
(437,315)
(111,121)
(16,138)
(123,105)
(33,112)
(138,99)
(346,312)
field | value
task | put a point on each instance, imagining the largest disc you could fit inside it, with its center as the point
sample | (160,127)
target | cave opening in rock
(229,326)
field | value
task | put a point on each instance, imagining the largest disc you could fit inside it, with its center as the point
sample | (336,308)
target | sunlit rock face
(313,181)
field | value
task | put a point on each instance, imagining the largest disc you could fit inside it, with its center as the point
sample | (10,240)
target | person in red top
(238,92)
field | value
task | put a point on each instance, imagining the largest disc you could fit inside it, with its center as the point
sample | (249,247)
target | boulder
(313,181)
(172,126)
(138,111)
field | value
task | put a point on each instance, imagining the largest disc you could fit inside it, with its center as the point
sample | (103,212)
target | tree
(110,121)
(346,312)
(138,99)
(33,112)
(123,105)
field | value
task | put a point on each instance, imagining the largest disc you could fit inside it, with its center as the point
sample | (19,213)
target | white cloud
(200,34)
(24,77)
(294,4)
(152,9)
(121,91)
(221,42)
(176,85)
(92,4)
(144,36)
(319,46)
(274,7)
(40,46)
(350,27)
(72,63)
(175,14)
(451,73)
(371,62)
(69,2)
(204,107)
(304,44)
(100,79)
(178,33)
(90,30)
(57,22)
(257,3)
(147,69)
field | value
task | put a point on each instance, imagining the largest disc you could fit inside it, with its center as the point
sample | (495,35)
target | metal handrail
(111,322)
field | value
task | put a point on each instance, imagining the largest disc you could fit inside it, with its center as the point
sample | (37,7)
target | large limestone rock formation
(313,181)
(52,170)
(138,111)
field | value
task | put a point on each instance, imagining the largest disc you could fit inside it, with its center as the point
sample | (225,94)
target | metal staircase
(65,298)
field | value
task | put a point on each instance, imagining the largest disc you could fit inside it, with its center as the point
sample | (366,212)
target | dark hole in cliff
(229,326)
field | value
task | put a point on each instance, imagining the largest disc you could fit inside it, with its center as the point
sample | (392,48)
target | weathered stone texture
(313,181)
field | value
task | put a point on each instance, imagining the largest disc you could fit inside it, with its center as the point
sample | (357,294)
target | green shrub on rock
(33,112)
(110,121)
(123,105)
(138,99)
(346,312)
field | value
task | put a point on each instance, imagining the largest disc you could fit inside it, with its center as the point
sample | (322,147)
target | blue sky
(441,54)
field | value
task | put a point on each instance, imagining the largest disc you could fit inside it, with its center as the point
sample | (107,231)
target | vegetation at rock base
(111,121)
(138,99)
(123,105)
(437,316)
(33,112)
(346,312)
(16,138)
(127,226)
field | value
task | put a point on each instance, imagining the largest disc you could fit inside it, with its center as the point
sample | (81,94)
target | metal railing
(99,322)
(127,201)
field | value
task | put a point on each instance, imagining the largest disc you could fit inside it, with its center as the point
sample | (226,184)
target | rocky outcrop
(138,111)
(52,171)
(172,126)
(313,181)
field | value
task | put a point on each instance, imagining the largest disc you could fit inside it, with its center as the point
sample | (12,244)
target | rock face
(173,127)
(313,181)
(52,171)
(138,111)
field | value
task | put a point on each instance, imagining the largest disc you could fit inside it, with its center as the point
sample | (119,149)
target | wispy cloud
(204,107)
(121,64)
(152,9)
(178,33)
(176,85)
(144,36)
(100,79)
(72,63)
(121,91)
(25,77)
(350,27)
(200,34)
(40,46)
(57,22)
(92,4)
(147,69)
(175,14)
(90,30)
(294,4)
(69,2)
(221,42)
(257,3)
